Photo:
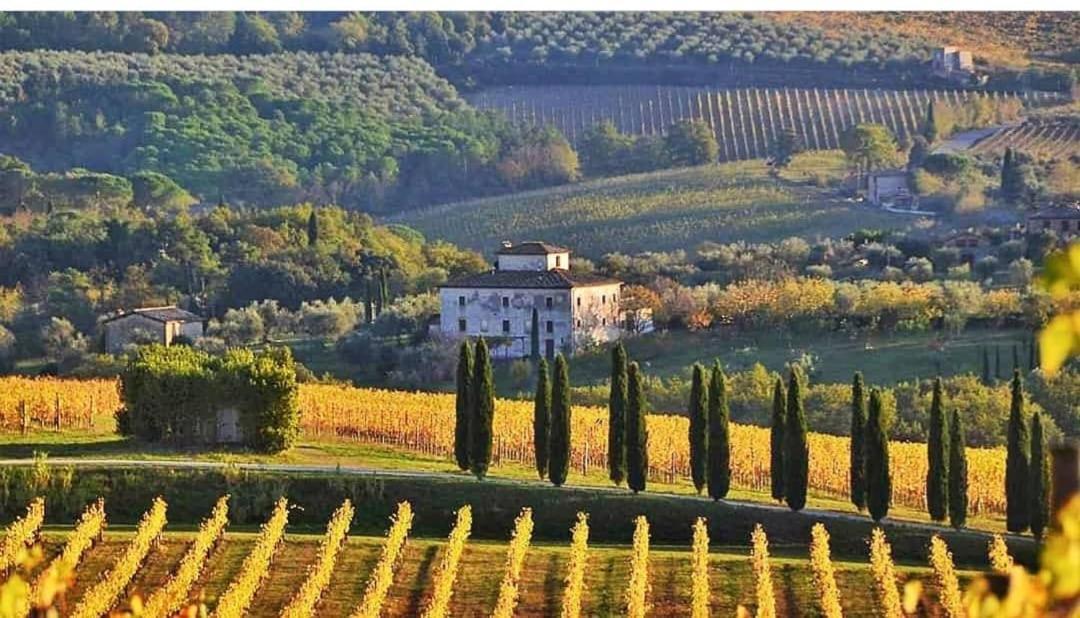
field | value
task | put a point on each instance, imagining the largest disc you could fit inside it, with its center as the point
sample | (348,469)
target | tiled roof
(1057,212)
(162,314)
(541,279)
(532,247)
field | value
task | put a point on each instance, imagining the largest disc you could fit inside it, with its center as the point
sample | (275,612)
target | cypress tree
(542,419)
(1040,478)
(534,336)
(1017,474)
(1016,357)
(384,287)
(559,460)
(369,308)
(617,416)
(997,363)
(483,411)
(719,438)
(380,298)
(958,483)
(699,427)
(858,443)
(776,439)
(1033,358)
(878,479)
(937,452)
(637,435)
(930,129)
(987,380)
(1006,173)
(463,405)
(796,449)
(312,229)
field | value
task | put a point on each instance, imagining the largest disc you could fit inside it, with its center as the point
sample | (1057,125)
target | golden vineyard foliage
(438,605)
(575,572)
(699,602)
(383,577)
(168,599)
(998,552)
(637,589)
(21,533)
(101,597)
(234,602)
(307,597)
(945,573)
(90,527)
(824,578)
(424,422)
(82,403)
(884,572)
(515,558)
(763,585)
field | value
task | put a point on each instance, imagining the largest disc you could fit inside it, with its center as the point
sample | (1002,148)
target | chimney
(506,244)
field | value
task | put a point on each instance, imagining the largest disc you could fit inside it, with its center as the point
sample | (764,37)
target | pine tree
(776,439)
(987,380)
(796,449)
(617,416)
(1039,487)
(637,435)
(958,483)
(483,411)
(542,419)
(878,478)
(719,436)
(559,460)
(534,336)
(312,229)
(937,452)
(463,405)
(699,427)
(930,128)
(858,443)
(1017,474)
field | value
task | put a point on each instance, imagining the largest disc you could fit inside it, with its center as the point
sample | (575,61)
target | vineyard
(270,573)
(664,211)
(746,122)
(1056,138)
(424,423)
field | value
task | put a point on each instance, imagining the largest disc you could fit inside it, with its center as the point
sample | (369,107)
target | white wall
(534,262)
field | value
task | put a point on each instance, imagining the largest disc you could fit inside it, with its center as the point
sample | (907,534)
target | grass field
(663,211)
(480,572)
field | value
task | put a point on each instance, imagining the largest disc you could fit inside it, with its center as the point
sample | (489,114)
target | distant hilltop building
(574,310)
(150,325)
(953,64)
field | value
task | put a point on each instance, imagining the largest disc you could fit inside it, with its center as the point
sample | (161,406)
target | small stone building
(890,189)
(574,309)
(1064,220)
(150,325)
(953,63)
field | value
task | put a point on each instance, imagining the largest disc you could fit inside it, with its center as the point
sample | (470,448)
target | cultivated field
(663,211)
(1053,138)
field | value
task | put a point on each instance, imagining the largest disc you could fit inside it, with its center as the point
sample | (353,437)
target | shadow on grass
(107,447)
(422,581)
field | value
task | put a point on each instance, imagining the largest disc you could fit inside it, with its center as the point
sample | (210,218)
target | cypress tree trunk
(617,416)
(483,406)
(699,427)
(958,484)
(559,463)
(637,435)
(719,438)
(542,419)
(858,443)
(776,440)
(937,453)
(1040,478)
(1017,474)
(463,405)
(796,449)
(534,336)
(878,478)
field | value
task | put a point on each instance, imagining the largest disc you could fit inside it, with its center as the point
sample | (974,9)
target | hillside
(662,211)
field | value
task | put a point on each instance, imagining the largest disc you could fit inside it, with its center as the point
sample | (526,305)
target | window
(506,326)
(461,325)
(558,261)
(461,301)
(603,299)
(506,301)
(550,326)
(549,302)
(483,326)
(603,321)
(579,323)
(578,301)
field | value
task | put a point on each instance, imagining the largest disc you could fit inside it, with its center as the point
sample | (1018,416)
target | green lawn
(663,211)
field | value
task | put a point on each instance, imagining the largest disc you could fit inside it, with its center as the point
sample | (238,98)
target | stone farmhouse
(1062,219)
(150,325)
(953,63)
(574,310)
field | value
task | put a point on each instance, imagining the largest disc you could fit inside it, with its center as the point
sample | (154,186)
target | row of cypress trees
(990,376)
(710,438)
(789,449)
(551,421)
(628,434)
(474,409)
(946,454)
(1027,468)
